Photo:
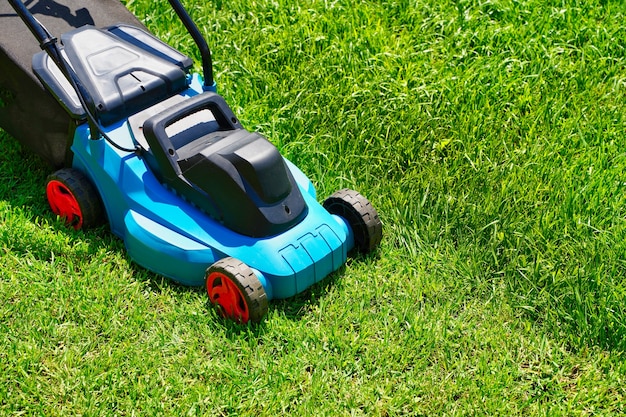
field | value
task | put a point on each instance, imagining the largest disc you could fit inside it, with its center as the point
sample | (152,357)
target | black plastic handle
(158,139)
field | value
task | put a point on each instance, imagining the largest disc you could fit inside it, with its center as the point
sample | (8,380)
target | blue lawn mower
(143,143)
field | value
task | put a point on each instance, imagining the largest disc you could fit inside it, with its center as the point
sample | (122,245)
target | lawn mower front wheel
(236,291)
(360,215)
(73,198)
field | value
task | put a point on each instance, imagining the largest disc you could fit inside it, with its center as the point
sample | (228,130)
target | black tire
(72,197)
(360,215)
(236,291)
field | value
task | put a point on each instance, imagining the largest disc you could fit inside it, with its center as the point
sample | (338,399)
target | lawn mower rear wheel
(72,197)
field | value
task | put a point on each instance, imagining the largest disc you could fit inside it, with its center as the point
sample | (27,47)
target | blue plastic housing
(166,234)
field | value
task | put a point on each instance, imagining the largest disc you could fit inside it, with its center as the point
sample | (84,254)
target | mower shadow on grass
(21,173)
(22,178)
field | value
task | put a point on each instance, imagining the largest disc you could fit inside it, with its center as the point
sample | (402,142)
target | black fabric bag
(27,110)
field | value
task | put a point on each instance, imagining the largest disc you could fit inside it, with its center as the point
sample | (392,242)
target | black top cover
(121,76)
(236,176)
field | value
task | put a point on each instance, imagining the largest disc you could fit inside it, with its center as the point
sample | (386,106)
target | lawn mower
(141,141)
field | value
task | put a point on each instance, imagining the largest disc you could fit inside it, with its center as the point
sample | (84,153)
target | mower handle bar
(192,28)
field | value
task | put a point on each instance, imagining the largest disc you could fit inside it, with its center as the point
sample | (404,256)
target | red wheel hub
(227,295)
(64,204)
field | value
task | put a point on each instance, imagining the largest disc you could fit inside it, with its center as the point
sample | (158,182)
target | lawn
(490,137)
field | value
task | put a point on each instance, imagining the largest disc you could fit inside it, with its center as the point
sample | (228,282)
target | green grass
(490,137)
